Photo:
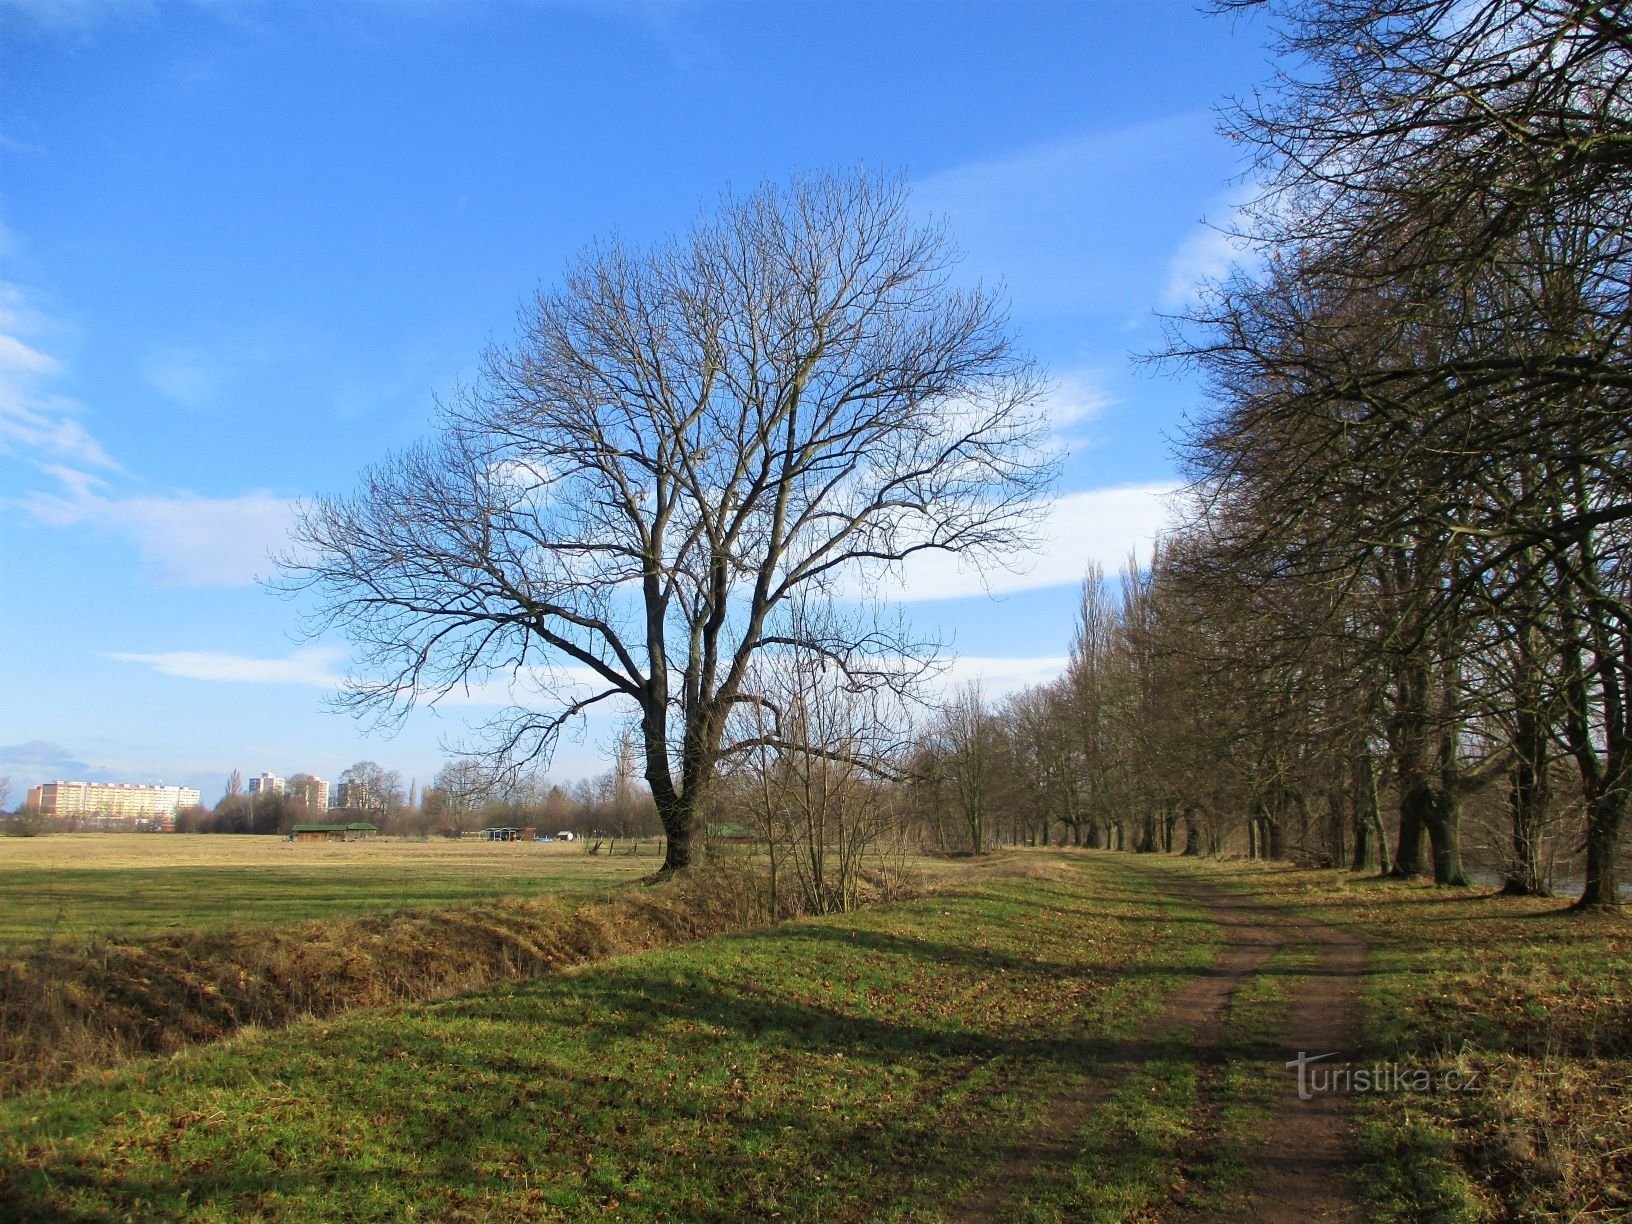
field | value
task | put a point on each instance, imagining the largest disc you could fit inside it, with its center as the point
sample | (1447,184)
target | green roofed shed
(357,830)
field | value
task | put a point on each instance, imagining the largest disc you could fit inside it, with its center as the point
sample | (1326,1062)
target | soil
(1299,1169)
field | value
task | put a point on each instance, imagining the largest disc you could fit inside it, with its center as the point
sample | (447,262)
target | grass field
(78,886)
(847,1068)
(889,1065)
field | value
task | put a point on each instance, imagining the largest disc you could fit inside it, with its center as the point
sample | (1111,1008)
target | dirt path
(1300,1164)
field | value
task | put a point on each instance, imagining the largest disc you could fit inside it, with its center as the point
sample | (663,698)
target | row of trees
(467,794)
(1402,582)
(1412,491)
(1402,589)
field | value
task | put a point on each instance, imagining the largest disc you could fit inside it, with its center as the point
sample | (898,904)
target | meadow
(79,886)
(851,1067)
(1012,1044)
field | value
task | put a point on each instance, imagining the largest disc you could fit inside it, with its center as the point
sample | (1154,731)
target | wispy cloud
(17,358)
(34,422)
(1053,217)
(1101,525)
(184,538)
(1003,677)
(186,376)
(316,666)
(201,375)
(1076,399)
(1211,250)
(78,18)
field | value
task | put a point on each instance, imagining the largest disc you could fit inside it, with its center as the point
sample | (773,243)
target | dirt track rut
(1299,1162)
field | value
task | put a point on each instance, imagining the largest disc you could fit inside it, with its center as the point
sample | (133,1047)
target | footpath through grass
(1509,1024)
(866,1067)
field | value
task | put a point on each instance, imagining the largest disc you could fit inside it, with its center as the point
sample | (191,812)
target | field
(78,886)
(1047,1037)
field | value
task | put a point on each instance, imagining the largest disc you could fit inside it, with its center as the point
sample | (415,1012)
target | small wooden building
(357,830)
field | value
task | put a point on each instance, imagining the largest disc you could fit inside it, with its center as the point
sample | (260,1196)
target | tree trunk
(1365,815)
(1408,850)
(684,847)
(1147,834)
(1605,816)
(1192,834)
(1527,802)
(1444,822)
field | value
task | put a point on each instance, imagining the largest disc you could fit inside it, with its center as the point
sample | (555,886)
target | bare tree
(372,788)
(460,789)
(821,787)
(788,398)
(968,738)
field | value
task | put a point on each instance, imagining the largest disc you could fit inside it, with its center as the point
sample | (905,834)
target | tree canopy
(783,401)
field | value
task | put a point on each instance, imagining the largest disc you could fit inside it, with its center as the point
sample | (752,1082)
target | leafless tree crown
(789,398)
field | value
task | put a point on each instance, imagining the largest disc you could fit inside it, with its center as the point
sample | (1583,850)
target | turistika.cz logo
(1316,1077)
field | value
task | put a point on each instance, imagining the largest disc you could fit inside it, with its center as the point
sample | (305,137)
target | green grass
(1534,1000)
(1175,1132)
(848,1068)
(86,886)
(1130,1151)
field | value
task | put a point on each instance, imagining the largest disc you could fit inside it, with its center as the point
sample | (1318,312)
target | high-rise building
(112,803)
(304,788)
(266,784)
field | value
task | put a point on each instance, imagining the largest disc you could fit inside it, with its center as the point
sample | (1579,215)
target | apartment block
(266,784)
(313,792)
(114,803)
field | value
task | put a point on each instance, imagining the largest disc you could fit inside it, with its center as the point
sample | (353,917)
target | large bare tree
(785,400)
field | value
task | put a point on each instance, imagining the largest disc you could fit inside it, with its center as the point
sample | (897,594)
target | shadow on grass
(564,1094)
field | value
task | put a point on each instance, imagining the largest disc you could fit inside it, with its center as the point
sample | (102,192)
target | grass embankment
(69,888)
(1524,1002)
(862,1067)
(69,1008)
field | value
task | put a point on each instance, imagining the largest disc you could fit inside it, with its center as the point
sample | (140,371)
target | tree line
(1410,492)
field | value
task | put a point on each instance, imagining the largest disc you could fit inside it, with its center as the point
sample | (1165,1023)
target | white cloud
(1002,677)
(1206,255)
(1211,251)
(34,423)
(314,666)
(1052,218)
(184,375)
(524,687)
(15,356)
(78,18)
(184,538)
(205,375)
(46,427)
(1075,399)
(1102,525)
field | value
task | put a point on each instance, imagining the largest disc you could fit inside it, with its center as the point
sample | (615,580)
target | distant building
(313,792)
(266,784)
(357,796)
(113,804)
(358,830)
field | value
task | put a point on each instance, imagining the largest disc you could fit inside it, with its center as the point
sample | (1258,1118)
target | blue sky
(243,246)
